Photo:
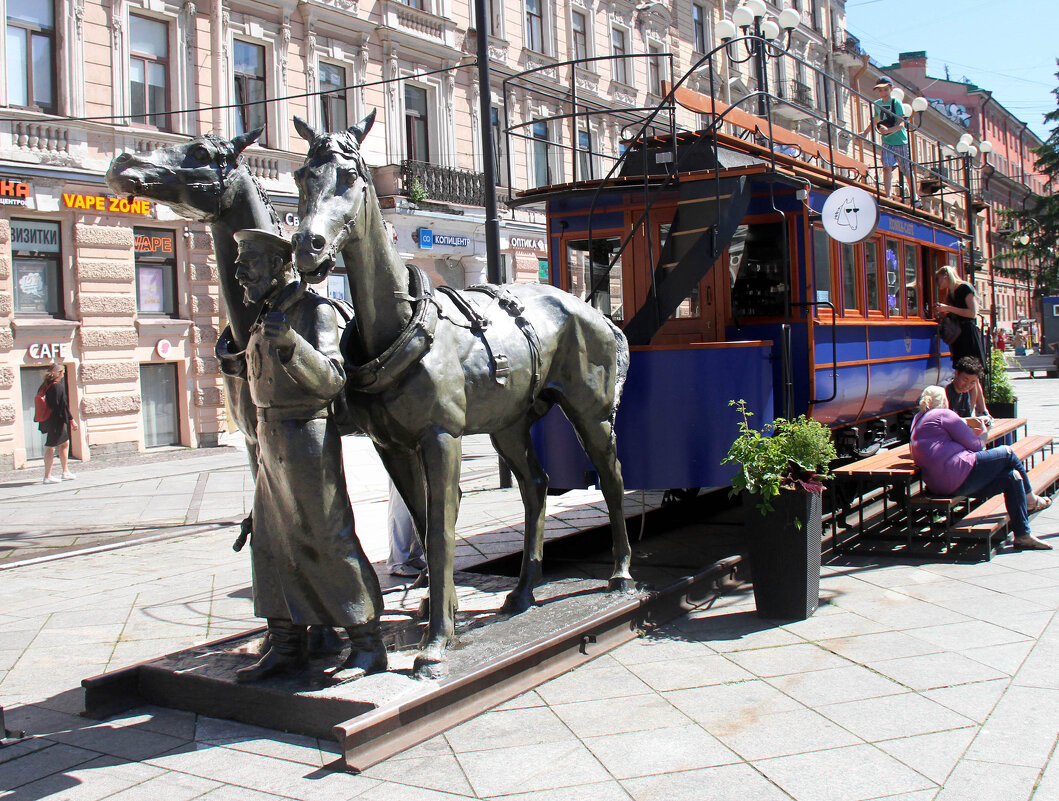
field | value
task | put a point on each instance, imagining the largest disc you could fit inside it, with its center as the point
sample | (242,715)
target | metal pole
(970,218)
(485,101)
(492,221)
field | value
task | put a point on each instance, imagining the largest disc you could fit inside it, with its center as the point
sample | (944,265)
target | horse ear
(360,130)
(243,141)
(304,129)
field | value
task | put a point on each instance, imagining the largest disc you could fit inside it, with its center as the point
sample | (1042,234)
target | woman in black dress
(56,428)
(956,298)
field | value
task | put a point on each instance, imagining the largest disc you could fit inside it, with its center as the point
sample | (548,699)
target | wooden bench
(990,519)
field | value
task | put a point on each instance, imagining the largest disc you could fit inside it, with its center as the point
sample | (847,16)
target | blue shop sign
(427,239)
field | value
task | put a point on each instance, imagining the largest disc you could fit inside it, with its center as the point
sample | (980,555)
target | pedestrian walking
(52,414)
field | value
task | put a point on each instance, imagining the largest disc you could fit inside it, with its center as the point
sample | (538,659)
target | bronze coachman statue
(308,565)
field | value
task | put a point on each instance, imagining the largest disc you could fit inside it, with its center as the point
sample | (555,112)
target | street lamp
(760,34)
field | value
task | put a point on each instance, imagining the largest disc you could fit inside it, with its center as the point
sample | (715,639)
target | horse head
(189,177)
(334,189)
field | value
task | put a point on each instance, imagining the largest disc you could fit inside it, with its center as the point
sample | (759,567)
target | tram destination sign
(850,215)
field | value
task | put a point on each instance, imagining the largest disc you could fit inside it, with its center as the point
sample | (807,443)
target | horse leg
(440,453)
(515,445)
(597,437)
(406,472)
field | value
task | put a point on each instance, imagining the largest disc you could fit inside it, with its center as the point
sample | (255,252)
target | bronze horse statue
(425,367)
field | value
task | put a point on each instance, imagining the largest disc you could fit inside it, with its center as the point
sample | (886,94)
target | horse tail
(621,348)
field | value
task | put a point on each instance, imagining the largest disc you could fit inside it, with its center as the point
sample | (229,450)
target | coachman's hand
(277,330)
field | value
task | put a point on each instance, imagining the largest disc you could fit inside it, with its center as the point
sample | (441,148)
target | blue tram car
(710,252)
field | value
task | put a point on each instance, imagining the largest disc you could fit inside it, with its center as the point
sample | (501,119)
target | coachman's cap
(261,239)
(884,81)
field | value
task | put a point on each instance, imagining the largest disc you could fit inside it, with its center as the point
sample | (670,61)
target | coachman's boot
(367,653)
(286,652)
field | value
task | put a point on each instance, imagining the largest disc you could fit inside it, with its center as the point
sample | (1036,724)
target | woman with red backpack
(55,421)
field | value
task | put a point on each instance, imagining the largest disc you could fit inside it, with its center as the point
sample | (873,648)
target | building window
(416,123)
(161,408)
(618,49)
(585,155)
(155,271)
(499,153)
(250,88)
(31,54)
(149,70)
(542,173)
(654,68)
(698,21)
(579,36)
(535,25)
(333,104)
(420,4)
(36,249)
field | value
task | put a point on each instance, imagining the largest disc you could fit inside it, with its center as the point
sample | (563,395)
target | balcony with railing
(799,97)
(422,180)
(847,49)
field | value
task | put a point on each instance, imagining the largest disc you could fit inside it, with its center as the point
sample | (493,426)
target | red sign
(106,203)
(153,243)
(13,193)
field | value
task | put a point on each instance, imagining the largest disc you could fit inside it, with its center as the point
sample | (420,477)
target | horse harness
(415,340)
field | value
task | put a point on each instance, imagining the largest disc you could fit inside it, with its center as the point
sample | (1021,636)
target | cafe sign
(49,350)
(107,204)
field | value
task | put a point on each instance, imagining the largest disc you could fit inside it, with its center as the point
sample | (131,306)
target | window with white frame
(149,71)
(619,48)
(655,70)
(541,162)
(31,54)
(579,34)
(249,85)
(698,24)
(499,150)
(420,4)
(333,98)
(416,123)
(534,39)
(585,155)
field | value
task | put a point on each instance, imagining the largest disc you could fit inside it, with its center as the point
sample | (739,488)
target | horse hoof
(426,668)
(516,603)
(621,584)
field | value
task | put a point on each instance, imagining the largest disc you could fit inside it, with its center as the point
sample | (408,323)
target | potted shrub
(1000,395)
(782,466)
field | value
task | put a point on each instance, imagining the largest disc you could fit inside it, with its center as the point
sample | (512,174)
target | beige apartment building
(124,292)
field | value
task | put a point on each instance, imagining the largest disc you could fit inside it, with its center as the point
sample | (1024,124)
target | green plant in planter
(783,454)
(1000,389)
(417,193)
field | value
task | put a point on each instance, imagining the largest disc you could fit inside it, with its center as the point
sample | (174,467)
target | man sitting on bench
(965,395)
(952,461)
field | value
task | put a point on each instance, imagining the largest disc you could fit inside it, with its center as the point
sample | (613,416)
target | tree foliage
(1039,221)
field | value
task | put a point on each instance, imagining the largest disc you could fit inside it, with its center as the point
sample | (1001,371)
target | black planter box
(1004,410)
(785,556)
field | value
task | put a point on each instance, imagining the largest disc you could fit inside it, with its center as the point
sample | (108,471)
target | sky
(1006,46)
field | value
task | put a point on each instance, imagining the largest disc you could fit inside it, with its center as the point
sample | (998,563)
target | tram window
(894,284)
(849,277)
(822,264)
(592,278)
(756,259)
(912,279)
(689,308)
(871,274)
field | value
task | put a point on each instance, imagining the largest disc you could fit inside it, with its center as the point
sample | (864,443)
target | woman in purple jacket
(953,462)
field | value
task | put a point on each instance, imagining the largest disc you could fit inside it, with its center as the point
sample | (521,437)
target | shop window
(850,302)
(36,249)
(593,278)
(31,54)
(535,25)
(416,123)
(698,24)
(579,34)
(31,379)
(333,101)
(894,285)
(149,71)
(619,48)
(756,261)
(541,163)
(161,409)
(871,276)
(249,84)
(822,264)
(155,271)
(912,280)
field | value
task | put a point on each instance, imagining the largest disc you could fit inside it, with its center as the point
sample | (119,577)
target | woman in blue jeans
(953,462)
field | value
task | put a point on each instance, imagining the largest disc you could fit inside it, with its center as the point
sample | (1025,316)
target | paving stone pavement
(914,681)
